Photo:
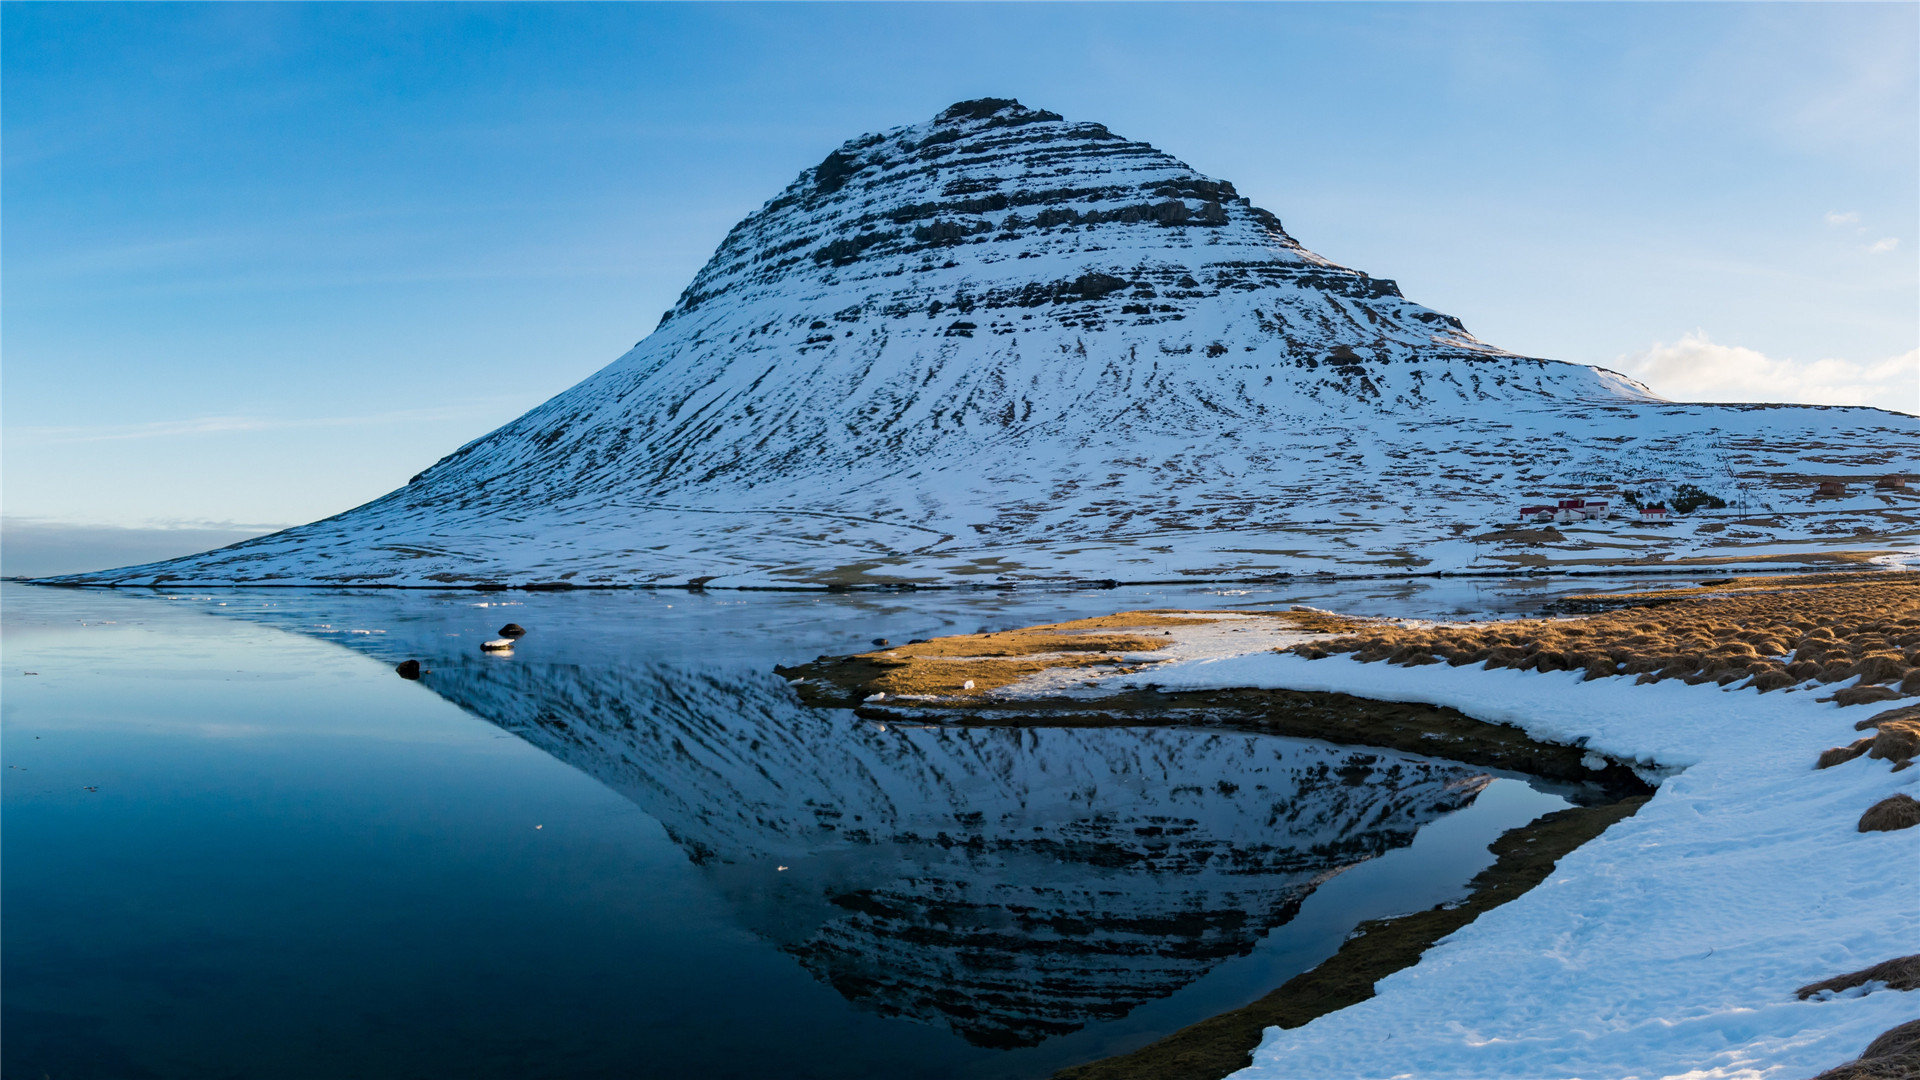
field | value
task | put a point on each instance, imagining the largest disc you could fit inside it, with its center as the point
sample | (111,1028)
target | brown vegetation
(1891,813)
(1767,633)
(1896,737)
(1899,973)
(1895,1055)
(945,666)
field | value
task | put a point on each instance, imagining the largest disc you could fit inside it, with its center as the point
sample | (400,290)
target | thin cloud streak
(224,425)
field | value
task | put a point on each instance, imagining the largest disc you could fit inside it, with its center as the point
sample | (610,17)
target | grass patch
(944,666)
(1768,633)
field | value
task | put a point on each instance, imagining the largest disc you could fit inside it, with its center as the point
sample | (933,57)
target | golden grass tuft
(1765,632)
(1891,813)
(1840,755)
(944,666)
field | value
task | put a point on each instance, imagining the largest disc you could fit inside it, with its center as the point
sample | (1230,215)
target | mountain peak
(946,211)
(991,108)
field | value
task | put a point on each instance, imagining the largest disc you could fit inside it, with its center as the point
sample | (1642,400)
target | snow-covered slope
(1004,345)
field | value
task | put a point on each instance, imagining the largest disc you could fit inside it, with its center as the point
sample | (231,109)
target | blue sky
(264,262)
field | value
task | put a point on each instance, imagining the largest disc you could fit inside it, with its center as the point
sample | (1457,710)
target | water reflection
(1019,899)
(1010,884)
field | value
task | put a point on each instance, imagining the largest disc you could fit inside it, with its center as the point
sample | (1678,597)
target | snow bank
(1671,945)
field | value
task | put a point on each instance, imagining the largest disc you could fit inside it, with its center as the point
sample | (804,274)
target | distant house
(1568,510)
(1831,489)
(1653,512)
(1892,482)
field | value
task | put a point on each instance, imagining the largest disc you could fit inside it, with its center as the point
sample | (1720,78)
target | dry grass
(945,665)
(1891,813)
(1767,632)
(1896,738)
(1899,973)
(1758,583)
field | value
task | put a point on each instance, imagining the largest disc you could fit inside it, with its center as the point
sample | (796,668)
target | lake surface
(238,845)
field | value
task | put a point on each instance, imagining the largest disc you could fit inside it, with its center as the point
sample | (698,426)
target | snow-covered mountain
(1002,345)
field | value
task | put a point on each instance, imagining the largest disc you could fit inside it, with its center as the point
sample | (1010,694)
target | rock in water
(513,630)
(1003,343)
(408,669)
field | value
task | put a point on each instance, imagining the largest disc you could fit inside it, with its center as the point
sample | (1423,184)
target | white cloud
(1834,217)
(1883,245)
(1696,369)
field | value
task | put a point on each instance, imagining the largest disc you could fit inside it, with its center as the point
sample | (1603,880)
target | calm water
(237,845)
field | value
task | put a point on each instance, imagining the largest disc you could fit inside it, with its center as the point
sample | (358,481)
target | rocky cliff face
(1001,343)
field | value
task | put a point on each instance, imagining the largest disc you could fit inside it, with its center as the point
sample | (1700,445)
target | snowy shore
(1670,946)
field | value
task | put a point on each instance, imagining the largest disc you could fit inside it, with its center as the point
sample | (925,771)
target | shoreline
(1813,562)
(1474,989)
(1215,1047)
(1221,1045)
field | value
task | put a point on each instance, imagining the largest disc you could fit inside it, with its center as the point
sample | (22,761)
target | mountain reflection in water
(1012,884)
(728,884)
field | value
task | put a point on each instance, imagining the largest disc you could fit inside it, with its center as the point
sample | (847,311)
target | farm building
(1653,512)
(1568,510)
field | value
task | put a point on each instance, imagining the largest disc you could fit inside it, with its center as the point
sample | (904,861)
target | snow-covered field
(1670,946)
(1003,346)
